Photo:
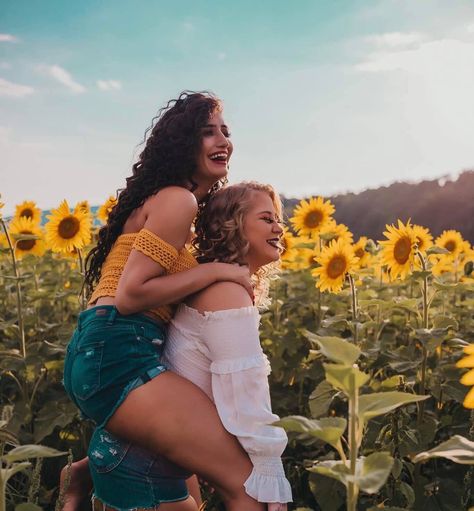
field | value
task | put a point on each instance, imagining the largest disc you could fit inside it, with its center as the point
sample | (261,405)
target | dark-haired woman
(113,369)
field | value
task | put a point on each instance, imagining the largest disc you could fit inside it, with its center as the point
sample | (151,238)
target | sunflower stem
(81,270)
(353,488)
(16,270)
(355,311)
(424,292)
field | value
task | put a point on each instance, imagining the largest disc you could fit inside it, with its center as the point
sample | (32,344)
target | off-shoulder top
(220,352)
(152,246)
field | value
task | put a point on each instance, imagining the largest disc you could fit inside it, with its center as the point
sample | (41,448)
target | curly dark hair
(169,158)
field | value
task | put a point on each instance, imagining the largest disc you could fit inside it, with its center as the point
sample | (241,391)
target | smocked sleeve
(239,371)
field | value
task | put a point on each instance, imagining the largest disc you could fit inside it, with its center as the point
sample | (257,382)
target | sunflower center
(450,245)
(402,250)
(313,219)
(336,267)
(26,244)
(360,253)
(27,213)
(68,227)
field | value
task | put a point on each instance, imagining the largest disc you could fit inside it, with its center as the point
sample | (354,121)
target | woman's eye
(226,134)
(268,219)
(207,133)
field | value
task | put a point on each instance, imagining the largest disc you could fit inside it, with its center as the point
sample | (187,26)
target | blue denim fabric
(108,356)
(128,477)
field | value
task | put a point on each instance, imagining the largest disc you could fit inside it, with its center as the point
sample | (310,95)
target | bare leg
(172,417)
(194,490)
(77,492)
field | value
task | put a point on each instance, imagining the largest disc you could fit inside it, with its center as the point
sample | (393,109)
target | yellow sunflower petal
(66,231)
(468,378)
(469,350)
(469,399)
(311,216)
(28,209)
(466,361)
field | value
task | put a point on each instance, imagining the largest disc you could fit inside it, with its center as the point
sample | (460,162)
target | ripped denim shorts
(127,477)
(108,356)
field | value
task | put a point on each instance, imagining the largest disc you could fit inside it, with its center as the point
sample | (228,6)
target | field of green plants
(369,342)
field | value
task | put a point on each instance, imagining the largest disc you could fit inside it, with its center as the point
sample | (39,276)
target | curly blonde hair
(219,231)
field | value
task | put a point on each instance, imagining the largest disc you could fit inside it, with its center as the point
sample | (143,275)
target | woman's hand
(234,273)
(276,506)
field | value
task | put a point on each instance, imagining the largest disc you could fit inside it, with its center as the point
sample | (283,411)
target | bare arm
(143,284)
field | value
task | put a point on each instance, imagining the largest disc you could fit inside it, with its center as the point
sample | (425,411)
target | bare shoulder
(221,296)
(173,197)
(170,213)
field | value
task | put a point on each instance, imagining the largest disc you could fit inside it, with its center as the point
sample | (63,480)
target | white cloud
(8,38)
(396,39)
(64,77)
(221,55)
(430,58)
(14,90)
(107,85)
(470,28)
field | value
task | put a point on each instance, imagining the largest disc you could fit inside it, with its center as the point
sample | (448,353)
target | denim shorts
(127,477)
(108,356)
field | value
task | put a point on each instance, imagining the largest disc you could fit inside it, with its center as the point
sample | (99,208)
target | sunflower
(66,231)
(424,240)
(335,231)
(1,206)
(398,251)
(452,241)
(106,208)
(311,216)
(468,378)
(23,227)
(28,209)
(363,257)
(441,264)
(83,205)
(336,261)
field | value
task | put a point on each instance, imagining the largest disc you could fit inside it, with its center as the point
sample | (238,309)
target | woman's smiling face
(216,150)
(262,230)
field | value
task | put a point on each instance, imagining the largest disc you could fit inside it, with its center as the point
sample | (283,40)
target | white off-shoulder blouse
(220,352)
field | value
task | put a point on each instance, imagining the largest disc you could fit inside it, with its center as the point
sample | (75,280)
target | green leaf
(6,473)
(345,378)
(437,250)
(458,449)
(335,349)
(24,452)
(379,403)
(441,286)
(329,429)
(320,399)
(373,471)
(445,322)
(334,469)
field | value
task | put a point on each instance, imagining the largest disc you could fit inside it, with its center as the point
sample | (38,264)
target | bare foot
(76,486)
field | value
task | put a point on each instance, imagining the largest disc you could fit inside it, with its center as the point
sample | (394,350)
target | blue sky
(322,96)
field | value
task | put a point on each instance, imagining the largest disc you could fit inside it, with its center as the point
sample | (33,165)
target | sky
(322,96)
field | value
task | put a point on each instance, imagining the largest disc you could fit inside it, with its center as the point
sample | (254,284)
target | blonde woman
(213,341)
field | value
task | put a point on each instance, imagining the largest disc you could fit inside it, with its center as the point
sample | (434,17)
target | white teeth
(218,156)
(273,243)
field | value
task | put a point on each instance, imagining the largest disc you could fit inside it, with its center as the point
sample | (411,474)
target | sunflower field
(371,344)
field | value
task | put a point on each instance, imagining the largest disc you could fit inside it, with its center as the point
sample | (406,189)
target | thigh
(171,416)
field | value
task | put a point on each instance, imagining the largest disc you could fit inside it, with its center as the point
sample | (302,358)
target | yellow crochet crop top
(152,246)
